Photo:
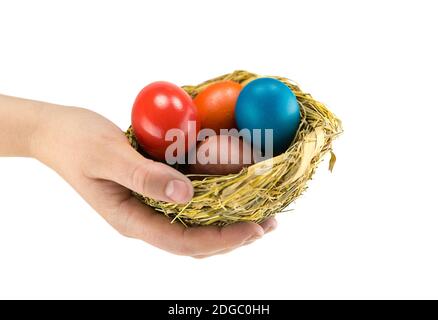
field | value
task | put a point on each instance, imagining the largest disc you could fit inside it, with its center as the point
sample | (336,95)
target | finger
(216,239)
(269,225)
(203,256)
(221,252)
(138,221)
(144,176)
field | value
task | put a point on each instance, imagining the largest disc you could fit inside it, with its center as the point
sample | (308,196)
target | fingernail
(177,191)
(270,226)
(269,229)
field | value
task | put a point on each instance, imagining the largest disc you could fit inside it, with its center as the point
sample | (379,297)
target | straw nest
(265,188)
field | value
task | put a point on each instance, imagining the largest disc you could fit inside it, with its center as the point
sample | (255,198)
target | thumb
(152,179)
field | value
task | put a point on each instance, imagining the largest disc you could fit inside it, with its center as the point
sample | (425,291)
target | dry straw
(265,188)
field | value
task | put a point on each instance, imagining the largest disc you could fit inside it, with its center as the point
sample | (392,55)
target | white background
(368,230)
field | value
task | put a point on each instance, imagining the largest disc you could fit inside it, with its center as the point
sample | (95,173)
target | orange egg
(216,105)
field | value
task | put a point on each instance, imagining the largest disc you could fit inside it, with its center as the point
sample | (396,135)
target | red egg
(159,107)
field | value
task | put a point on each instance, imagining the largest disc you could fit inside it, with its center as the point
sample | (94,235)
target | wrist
(19,122)
(42,139)
(37,135)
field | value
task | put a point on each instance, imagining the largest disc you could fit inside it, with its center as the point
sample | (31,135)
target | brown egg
(221,155)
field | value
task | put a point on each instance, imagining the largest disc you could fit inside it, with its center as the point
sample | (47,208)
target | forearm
(19,120)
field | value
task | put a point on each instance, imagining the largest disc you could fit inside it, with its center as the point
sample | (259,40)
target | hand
(93,155)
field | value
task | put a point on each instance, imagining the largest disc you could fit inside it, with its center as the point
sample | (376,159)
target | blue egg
(267,103)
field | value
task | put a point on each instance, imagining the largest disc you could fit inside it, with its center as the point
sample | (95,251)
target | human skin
(93,155)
